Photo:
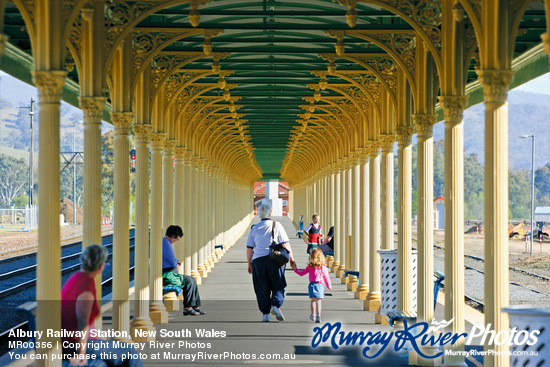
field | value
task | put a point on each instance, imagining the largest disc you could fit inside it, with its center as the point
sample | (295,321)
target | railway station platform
(233,334)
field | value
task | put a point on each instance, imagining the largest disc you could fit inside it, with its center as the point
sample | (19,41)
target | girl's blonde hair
(316,258)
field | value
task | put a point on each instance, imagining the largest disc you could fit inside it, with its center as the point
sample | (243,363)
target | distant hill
(15,121)
(529,113)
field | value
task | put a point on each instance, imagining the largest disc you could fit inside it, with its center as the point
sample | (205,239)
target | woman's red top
(77,284)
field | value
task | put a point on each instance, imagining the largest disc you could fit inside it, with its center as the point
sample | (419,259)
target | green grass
(541,265)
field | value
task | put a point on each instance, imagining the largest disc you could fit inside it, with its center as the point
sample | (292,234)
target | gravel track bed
(474,283)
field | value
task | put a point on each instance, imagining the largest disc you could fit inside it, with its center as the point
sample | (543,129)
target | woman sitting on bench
(79,309)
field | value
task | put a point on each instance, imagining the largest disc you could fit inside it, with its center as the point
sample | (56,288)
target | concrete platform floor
(231,332)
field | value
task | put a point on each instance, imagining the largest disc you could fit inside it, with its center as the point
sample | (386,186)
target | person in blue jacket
(191,297)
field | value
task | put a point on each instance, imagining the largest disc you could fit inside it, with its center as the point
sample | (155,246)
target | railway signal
(133,158)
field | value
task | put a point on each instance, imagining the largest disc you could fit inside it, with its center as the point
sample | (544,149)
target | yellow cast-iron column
(374,296)
(453,108)
(218,211)
(356,222)
(337,223)
(121,209)
(3,37)
(48,284)
(364,233)
(424,128)
(168,184)
(331,196)
(495,85)
(141,320)
(178,202)
(211,215)
(404,217)
(348,215)
(342,226)
(207,213)
(92,102)
(187,209)
(546,36)
(329,221)
(195,202)
(157,311)
(93,108)
(201,225)
(387,238)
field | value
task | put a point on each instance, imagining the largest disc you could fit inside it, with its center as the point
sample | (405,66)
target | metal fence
(13,218)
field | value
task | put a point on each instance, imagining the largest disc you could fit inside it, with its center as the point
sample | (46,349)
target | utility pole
(532,187)
(74,174)
(31,154)
(73,158)
(31,151)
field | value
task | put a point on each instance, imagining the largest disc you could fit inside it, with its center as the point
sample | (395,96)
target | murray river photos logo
(416,336)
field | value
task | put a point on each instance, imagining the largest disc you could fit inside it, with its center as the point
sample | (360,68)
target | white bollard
(388,270)
(530,319)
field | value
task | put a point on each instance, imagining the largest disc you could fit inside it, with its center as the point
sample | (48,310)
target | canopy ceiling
(272,49)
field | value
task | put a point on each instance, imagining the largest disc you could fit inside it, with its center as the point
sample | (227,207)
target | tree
(475,206)
(107,170)
(439,168)
(474,176)
(14,174)
(66,181)
(542,184)
(519,194)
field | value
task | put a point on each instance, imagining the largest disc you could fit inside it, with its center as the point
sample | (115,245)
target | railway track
(18,281)
(529,287)
(21,275)
(526,287)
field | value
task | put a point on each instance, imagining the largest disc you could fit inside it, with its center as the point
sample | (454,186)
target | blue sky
(539,85)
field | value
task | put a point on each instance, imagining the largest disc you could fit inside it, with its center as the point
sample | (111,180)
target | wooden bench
(171,297)
(399,316)
(329,256)
(351,272)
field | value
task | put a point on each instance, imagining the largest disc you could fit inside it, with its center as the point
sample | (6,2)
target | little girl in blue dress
(318,279)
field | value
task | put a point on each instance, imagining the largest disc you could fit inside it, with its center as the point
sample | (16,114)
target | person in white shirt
(268,277)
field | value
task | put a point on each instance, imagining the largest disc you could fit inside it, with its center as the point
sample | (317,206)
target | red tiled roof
(259,188)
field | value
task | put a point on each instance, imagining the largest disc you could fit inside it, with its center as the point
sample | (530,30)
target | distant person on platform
(191,297)
(314,233)
(301,226)
(328,243)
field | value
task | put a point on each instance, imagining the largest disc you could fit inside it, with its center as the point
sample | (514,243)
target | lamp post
(532,185)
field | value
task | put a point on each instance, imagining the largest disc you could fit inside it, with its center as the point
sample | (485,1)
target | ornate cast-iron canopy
(290,78)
